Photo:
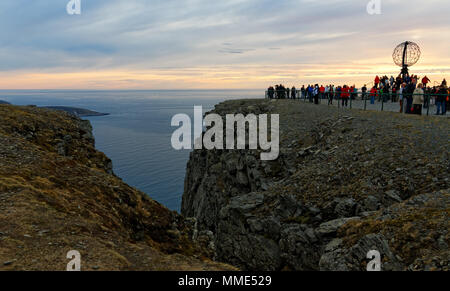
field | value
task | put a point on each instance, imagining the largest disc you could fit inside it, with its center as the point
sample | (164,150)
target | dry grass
(51,204)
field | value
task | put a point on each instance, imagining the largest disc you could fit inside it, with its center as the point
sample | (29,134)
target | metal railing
(367,100)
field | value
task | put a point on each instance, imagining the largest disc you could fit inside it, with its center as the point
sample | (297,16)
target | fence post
(365,101)
(429,104)
(382,102)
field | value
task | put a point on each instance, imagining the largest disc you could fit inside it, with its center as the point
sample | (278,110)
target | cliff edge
(58,193)
(346,182)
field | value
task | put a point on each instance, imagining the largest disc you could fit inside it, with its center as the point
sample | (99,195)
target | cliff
(58,193)
(346,182)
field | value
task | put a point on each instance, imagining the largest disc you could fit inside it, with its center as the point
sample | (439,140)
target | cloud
(182,36)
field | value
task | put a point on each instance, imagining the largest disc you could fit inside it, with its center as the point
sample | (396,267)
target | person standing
(418,100)
(271,92)
(447,100)
(373,95)
(294,92)
(381,94)
(278,91)
(303,92)
(425,81)
(377,81)
(441,100)
(316,94)
(311,93)
(387,92)
(399,81)
(409,97)
(331,95)
(364,92)
(393,94)
(321,92)
(345,95)
(354,92)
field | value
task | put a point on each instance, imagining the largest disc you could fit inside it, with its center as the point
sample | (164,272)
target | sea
(136,135)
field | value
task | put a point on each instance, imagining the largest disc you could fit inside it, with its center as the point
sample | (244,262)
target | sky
(208,44)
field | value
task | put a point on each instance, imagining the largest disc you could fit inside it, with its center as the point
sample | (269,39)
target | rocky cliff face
(58,193)
(346,182)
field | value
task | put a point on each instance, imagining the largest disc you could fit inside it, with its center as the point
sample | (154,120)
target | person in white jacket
(418,99)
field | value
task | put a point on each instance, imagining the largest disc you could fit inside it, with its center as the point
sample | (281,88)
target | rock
(288,207)
(371,203)
(174,233)
(253,252)
(270,226)
(248,242)
(442,244)
(333,245)
(242,178)
(61,149)
(43,232)
(331,227)
(393,195)
(244,204)
(299,248)
(86,128)
(346,208)
(8,263)
(67,139)
(336,257)
(330,170)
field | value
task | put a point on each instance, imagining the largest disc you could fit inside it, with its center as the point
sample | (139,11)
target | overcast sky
(181,44)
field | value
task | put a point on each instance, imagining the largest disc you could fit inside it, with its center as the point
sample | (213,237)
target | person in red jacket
(321,91)
(425,81)
(345,95)
(377,81)
(373,95)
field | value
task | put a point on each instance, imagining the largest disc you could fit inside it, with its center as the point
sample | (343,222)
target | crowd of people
(412,93)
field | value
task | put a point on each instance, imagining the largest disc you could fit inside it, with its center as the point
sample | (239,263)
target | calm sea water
(136,136)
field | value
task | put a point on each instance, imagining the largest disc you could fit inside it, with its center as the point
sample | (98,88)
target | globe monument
(406,55)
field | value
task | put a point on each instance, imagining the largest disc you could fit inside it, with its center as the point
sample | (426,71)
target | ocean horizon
(136,135)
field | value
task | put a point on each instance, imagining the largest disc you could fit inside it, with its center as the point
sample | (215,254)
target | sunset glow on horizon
(200,44)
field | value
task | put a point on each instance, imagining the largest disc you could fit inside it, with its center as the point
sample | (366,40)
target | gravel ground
(388,106)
